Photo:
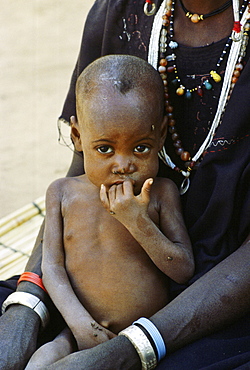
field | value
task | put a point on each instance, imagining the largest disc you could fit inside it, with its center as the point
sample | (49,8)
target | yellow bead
(180,91)
(215,76)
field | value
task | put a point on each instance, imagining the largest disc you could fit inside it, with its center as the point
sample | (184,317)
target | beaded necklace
(195,18)
(212,76)
(234,67)
(181,89)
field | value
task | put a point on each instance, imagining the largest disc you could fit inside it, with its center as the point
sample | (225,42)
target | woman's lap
(225,350)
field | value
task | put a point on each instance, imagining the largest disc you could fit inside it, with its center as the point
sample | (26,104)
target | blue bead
(207,85)
(175,82)
(188,94)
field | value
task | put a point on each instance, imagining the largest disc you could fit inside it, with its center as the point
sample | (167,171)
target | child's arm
(168,246)
(55,277)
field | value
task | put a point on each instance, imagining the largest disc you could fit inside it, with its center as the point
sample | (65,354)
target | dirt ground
(40,41)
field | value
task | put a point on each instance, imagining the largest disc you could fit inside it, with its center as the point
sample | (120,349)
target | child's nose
(123,165)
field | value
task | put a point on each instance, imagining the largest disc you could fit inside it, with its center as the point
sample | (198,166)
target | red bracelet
(32,278)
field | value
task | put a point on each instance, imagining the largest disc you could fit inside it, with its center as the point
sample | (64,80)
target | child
(114,235)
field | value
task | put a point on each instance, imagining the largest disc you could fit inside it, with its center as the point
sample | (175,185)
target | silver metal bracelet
(31,301)
(142,345)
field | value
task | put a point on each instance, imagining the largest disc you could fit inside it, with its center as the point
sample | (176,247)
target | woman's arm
(19,325)
(217,299)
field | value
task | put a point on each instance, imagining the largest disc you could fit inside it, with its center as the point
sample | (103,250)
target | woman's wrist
(147,341)
(154,336)
(32,278)
(28,300)
(32,288)
(32,294)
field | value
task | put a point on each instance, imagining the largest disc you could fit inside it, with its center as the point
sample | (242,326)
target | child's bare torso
(110,273)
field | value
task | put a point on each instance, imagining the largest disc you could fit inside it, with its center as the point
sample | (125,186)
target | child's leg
(61,346)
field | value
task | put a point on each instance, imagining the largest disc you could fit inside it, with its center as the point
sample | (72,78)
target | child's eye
(141,149)
(104,149)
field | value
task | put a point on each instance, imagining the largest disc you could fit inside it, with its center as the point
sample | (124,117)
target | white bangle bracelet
(155,335)
(31,301)
(142,346)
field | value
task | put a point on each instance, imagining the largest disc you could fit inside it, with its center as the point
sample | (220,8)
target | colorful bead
(185,156)
(199,91)
(188,95)
(215,76)
(175,136)
(171,122)
(207,85)
(177,144)
(195,18)
(164,69)
(163,62)
(180,91)
(179,151)
(170,69)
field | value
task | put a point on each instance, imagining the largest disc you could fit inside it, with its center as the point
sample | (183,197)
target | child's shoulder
(165,188)
(165,184)
(59,186)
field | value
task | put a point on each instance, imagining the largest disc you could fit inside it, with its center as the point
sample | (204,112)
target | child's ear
(75,133)
(164,130)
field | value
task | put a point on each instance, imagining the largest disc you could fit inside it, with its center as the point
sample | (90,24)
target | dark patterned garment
(217,205)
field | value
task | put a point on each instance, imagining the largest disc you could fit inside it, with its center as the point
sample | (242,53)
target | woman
(209,130)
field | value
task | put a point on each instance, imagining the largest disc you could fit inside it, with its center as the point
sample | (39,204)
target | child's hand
(91,335)
(121,202)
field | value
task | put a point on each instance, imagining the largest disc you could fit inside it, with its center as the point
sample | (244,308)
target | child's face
(120,138)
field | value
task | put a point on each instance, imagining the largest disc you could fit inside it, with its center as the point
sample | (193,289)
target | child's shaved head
(122,74)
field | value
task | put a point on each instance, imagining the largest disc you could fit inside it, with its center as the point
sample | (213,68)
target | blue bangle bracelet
(155,335)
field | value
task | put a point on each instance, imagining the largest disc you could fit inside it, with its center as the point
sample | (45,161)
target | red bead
(171,122)
(170,69)
(199,91)
(163,62)
(169,109)
(185,156)
(234,80)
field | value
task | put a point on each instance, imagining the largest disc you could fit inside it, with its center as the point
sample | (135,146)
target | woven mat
(18,232)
